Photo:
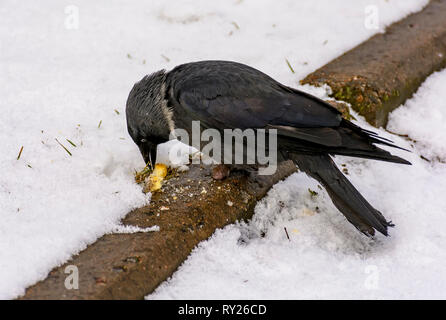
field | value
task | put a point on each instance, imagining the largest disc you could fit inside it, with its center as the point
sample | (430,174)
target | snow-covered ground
(66,69)
(423,118)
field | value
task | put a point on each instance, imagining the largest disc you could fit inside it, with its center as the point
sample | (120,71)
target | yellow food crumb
(157,177)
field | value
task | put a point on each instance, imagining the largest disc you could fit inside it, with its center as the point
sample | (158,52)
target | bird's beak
(148,152)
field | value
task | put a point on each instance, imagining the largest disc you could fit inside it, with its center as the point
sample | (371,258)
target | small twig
(117,112)
(284,228)
(99,125)
(20,153)
(68,151)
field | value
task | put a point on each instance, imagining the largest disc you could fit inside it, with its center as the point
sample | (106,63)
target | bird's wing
(237,96)
(226,95)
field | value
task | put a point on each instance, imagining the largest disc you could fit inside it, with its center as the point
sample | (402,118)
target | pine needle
(71,142)
(286,231)
(68,151)
(20,153)
(289,65)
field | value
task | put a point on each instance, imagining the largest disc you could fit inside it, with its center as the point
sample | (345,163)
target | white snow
(326,257)
(133,229)
(60,80)
(423,118)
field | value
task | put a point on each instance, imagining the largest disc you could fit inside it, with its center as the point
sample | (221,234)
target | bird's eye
(143,140)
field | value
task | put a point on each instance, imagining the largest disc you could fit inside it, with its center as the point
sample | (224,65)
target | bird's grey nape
(147,107)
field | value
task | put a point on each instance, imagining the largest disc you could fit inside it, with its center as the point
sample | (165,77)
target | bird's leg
(220,172)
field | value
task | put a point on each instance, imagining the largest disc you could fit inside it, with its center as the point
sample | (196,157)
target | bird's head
(149,119)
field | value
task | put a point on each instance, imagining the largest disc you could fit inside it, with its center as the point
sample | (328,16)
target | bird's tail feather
(373,136)
(375,154)
(343,194)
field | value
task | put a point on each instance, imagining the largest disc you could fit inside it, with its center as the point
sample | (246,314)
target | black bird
(225,94)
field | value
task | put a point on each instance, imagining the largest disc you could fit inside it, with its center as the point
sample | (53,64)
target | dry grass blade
(171,172)
(140,176)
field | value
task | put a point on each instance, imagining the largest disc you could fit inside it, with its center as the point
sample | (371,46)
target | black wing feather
(245,98)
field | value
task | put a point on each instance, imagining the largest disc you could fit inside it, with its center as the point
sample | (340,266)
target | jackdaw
(227,95)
